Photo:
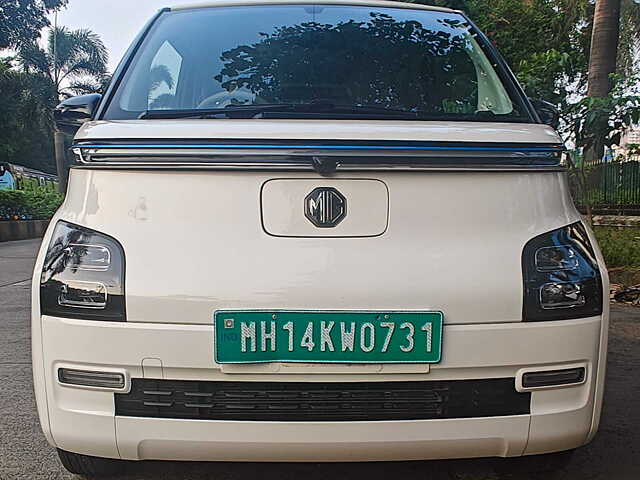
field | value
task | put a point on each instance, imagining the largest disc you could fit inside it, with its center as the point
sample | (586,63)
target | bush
(39,204)
(620,246)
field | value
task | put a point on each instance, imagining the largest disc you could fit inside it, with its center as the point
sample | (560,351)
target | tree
(22,20)
(26,134)
(75,61)
(604,47)
(358,64)
(545,42)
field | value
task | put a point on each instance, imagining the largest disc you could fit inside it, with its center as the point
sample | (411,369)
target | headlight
(83,275)
(561,276)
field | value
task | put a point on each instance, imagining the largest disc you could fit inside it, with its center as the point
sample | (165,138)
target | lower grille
(312,402)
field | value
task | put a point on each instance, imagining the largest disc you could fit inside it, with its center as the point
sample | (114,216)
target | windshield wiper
(250,111)
(325,110)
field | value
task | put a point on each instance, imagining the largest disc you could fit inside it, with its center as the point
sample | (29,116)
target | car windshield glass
(427,63)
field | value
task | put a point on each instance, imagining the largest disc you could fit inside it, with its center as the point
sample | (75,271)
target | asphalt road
(24,453)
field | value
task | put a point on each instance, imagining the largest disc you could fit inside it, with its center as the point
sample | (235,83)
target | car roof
(371,3)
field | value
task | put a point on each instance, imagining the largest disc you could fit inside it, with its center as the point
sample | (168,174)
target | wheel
(90,466)
(534,464)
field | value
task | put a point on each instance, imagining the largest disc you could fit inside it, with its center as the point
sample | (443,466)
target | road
(24,453)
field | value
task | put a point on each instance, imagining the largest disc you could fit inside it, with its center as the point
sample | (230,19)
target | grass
(620,246)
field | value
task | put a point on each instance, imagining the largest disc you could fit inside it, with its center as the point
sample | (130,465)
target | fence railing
(611,187)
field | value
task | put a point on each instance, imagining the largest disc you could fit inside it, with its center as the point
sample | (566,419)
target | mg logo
(325,207)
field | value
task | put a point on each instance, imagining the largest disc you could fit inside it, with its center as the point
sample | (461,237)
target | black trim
(56,273)
(553,378)
(586,273)
(322,401)
(333,214)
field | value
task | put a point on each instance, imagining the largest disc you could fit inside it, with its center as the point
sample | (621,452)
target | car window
(164,76)
(411,60)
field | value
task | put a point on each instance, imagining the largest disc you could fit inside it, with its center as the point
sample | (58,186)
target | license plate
(327,337)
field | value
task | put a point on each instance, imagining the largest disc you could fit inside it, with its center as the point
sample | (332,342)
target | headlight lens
(83,275)
(561,276)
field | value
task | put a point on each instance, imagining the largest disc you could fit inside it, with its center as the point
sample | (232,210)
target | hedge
(39,204)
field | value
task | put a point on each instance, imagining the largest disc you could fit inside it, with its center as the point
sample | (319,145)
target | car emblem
(325,207)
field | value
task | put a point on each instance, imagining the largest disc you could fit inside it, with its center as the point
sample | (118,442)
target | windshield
(342,57)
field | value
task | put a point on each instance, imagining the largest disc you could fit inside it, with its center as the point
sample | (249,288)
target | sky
(116,21)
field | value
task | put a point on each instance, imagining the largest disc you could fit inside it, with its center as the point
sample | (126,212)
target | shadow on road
(480,469)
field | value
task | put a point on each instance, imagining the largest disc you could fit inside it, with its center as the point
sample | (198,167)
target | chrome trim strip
(302,157)
(306,167)
(231,155)
(320,147)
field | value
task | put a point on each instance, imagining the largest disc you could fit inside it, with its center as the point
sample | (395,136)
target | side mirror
(73,112)
(547,112)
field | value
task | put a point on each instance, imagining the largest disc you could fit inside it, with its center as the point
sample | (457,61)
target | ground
(24,453)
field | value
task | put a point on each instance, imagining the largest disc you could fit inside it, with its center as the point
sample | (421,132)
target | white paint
(408,347)
(247,332)
(269,336)
(367,206)
(428,329)
(307,338)
(347,337)
(560,417)
(325,336)
(319,130)
(477,222)
(367,337)
(453,240)
(289,328)
(390,326)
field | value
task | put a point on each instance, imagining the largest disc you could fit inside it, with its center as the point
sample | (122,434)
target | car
(331,230)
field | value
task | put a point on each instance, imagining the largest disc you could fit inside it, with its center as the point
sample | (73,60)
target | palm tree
(75,61)
(604,47)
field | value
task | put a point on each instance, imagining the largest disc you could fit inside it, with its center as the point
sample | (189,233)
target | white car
(316,231)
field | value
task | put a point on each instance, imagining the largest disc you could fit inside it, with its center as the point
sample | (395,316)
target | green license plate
(327,337)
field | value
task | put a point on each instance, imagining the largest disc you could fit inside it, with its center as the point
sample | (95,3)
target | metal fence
(612,188)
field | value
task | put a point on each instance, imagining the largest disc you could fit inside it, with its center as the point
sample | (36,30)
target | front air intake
(317,402)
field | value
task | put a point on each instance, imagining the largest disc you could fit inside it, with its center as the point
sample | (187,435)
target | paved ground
(24,454)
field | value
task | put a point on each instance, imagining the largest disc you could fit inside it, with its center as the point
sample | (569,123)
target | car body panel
(200,238)
(267,129)
(183,263)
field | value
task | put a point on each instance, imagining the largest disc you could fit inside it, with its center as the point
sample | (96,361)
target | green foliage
(595,123)
(620,246)
(26,134)
(546,42)
(80,60)
(96,84)
(419,67)
(629,37)
(28,95)
(540,74)
(39,204)
(22,20)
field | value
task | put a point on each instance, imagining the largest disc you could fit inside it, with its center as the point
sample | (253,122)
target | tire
(89,467)
(535,464)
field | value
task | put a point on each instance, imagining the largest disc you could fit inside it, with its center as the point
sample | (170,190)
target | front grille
(313,402)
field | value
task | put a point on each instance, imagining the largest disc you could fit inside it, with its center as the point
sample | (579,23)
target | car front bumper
(84,420)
